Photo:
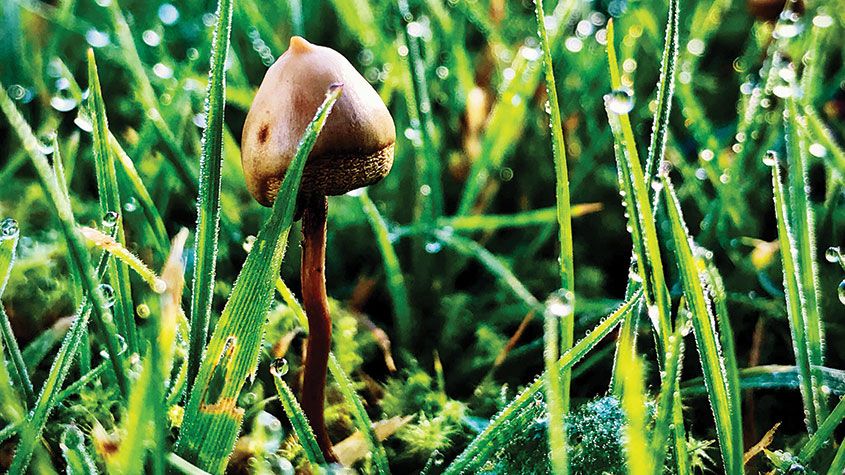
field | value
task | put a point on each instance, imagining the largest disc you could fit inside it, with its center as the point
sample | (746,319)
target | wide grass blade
(9,234)
(724,398)
(668,401)
(534,217)
(484,446)
(773,377)
(821,437)
(297,419)
(557,391)
(208,201)
(212,417)
(110,207)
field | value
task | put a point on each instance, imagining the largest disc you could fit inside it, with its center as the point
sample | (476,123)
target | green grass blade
(666,399)
(484,445)
(124,311)
(493,222)
(773,377)
(838,464)
(640,460)
(212,417)
(111,246)
(637,203)
(802,217)
(298,420)
(75,453)
(420,111)
(821,437)
(835,156)
(557,393)
(392,269)
(9,234)
(359,414)
(724,400)
(80,259)
(37,419)
(208,201)
(793,292)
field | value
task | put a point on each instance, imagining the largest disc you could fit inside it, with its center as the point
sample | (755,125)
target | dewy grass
(212,417)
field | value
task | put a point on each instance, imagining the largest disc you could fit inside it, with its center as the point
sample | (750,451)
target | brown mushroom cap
(355,147)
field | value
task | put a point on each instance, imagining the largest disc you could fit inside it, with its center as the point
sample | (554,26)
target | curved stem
(319,320)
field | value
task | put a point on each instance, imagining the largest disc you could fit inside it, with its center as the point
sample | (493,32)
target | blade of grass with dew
(120,253)
(392,269)
(822,436)
(793,293)
(9,234)
(801,214)
(506,120)
(148,100)
(110,207)
(298,420)
(667,400)
(484,445)
(38,349)
(534,217)
(212,417)
(835,156)
(75,453)
(638,206)
(557,391)
(657,146)
(419,105)
(640,460)
(724,399)
(360,417)
(37,419)
(80,259)
(208,201)
(773,377)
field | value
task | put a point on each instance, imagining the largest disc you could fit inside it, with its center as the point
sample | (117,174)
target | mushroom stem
(319,320)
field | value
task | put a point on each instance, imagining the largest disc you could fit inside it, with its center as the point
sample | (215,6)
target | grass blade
(110,207)
(557,392)
(484,445)
(80,259)
(723,398)
(792,289)
(208,201)
(667,400)
(393,272)
(298,420)
(802,218)
(9,234)
(637,204)
(825,432)
(110,245)
(640,460)
(212,417)
(75,453)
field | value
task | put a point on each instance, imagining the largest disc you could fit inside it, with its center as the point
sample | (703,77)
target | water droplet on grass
(9,228)
(841,292)
(110,219)
(620,101)
(832,254)
(168,14)
(97,38)
(279,367)
(108,294)
(143,310)
(770,158)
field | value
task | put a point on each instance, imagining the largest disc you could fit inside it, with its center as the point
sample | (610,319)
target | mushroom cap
(355,147)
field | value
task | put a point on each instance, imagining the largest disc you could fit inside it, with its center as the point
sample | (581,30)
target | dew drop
(168,14)
(841,292)
(279,367)
(110,219)
(770,158)
(159,286)
(108,294)
(9,228)
(620,101)
(97,38)
(433,247)
(832,254)
(560,304)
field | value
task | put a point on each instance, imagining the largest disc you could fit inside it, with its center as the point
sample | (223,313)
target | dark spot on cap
(263,132)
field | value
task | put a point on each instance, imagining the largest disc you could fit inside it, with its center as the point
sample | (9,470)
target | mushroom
(354,149)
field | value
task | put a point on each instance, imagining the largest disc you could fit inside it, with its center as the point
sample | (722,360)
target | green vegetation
(610,241)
